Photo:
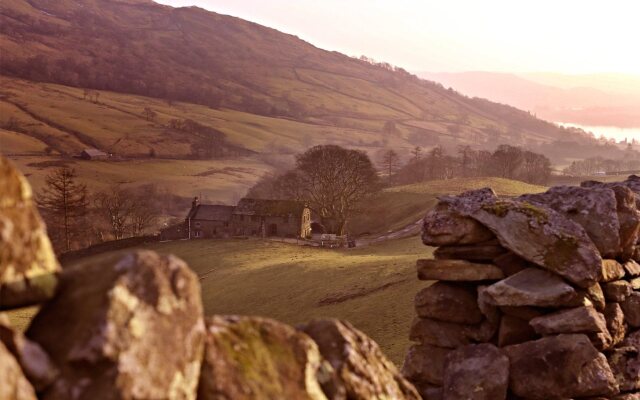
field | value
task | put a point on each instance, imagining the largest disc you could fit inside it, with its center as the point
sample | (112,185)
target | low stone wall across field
(536,297)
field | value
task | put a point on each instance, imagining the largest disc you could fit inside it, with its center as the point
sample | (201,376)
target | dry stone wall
(132,327)
(536,297)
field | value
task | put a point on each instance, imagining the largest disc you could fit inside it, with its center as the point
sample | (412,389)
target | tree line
(595,165)
(77,218)
(506,161)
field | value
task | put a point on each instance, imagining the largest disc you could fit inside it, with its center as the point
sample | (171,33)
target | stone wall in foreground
(132,327)
(536,297)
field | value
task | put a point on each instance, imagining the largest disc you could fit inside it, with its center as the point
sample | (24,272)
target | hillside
(199,57)
(398,206)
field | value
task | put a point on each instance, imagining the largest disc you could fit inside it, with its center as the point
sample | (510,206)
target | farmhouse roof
(94,152)
(211,212)
(263,207)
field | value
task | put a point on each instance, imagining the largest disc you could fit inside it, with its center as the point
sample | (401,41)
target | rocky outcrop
(34,361)
(28,266)
(359,365)
(129,328)
(252,358)
(565,310)
(13,384)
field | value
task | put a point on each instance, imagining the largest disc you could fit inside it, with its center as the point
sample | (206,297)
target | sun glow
(570,36)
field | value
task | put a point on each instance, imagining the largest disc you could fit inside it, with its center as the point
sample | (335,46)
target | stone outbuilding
(283,218)
(206,221)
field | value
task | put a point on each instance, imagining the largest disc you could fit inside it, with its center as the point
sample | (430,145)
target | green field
(216,181)
(61,118)
(399,206)
(372,287)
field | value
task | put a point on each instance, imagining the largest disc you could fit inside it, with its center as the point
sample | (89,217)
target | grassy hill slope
(197,56)
(372,287)
(399,206)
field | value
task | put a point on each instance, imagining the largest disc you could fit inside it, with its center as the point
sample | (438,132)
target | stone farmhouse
(251,217)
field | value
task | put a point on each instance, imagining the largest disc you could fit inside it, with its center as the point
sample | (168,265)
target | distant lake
(619,134)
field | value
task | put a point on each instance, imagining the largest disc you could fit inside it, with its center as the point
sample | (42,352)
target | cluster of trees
(332,180)
(77,218)
(210,143)
(594,165)
(506,162)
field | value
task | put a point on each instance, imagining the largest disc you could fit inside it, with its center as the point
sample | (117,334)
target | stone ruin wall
(536,297)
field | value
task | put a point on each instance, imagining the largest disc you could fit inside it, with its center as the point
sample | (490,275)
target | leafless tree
(64,202)
(115,206)
(335,181)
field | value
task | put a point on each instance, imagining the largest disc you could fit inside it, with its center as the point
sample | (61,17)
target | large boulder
(445,225)
(126,329)
(457,271)
(259,358)
(536,233)
(13,384)
(595,209)
(36,364)
(476,372)
(28,265)
(627,207)
(559,367)
(361,367)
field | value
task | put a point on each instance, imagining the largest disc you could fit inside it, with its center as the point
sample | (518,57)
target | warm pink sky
(569,36)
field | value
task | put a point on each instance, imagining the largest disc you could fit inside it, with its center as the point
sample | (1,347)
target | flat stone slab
(425,364)
(573,320)
(448,302)
(478,252)
(559,367)
(533,287)
(476,372)
(457,271)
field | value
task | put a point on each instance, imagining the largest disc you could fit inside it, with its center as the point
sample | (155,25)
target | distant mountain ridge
(600,100)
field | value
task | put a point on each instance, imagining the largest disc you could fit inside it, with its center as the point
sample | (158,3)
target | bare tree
(335,181)
(143,213)
(64,202)
(115,206)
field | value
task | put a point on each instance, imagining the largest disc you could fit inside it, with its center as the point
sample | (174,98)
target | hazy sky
(570,36)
